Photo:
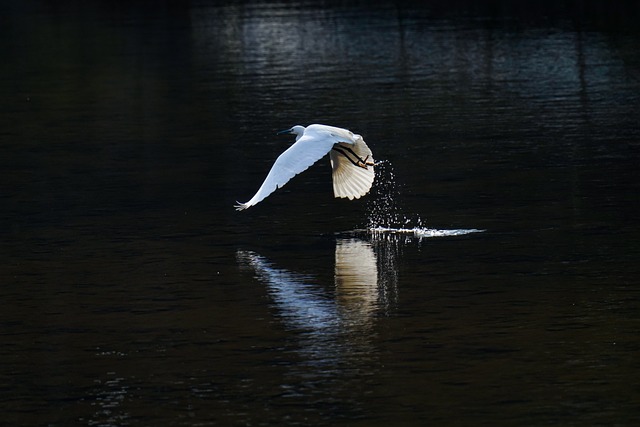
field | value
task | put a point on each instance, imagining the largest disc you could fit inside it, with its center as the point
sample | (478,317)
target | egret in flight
(351,162)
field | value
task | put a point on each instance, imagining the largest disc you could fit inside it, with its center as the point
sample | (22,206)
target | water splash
(383,207)
(386,218)
(421,232)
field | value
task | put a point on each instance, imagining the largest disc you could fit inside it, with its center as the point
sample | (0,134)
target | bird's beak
(284,131)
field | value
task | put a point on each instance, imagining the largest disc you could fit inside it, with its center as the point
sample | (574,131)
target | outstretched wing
(350,178)
(297,158)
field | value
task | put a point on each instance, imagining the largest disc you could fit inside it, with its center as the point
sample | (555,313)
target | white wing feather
(349,180)
(297,158)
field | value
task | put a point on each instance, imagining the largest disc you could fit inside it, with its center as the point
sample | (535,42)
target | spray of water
(386,218)
(383,205)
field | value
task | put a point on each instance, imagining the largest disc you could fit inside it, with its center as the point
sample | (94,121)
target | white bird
(351,162)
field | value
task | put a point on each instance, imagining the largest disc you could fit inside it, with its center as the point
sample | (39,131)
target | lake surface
(491,277)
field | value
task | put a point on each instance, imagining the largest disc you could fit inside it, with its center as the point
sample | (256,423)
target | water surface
(134,294)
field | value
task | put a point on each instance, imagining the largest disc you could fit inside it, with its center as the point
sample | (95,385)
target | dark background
(132,293)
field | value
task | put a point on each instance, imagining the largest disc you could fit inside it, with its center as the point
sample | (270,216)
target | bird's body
(351,161)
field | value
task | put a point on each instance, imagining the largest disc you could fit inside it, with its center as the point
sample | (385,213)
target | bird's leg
(359,162)
(362,162)
(339,150)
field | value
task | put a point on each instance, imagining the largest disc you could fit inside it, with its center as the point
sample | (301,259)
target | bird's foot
(371,163)
(363,163)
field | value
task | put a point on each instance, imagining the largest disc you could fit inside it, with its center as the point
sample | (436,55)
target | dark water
(134,294)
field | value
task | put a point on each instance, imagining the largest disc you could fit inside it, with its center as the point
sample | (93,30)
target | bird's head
(296,130)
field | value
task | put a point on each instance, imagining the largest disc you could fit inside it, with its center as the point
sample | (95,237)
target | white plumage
(351,161)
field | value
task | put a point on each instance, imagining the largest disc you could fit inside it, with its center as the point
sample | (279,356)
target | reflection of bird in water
(302,304)
(331,326)
(351,162)
(356,277)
